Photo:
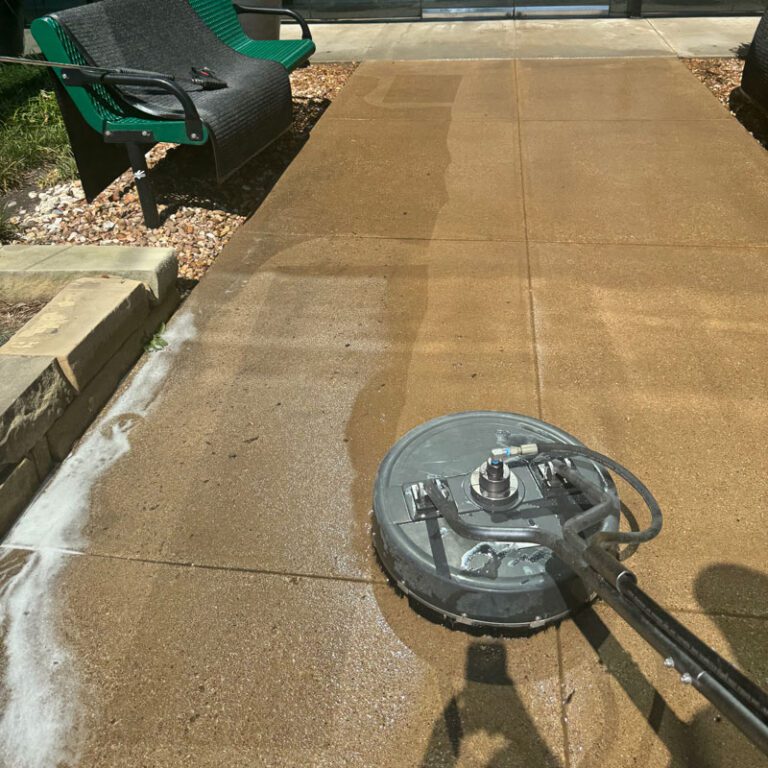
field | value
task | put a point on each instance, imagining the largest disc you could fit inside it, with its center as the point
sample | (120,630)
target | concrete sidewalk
(528,39)
(585,242)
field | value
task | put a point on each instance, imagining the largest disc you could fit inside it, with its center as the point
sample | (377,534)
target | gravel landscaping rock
(201,216)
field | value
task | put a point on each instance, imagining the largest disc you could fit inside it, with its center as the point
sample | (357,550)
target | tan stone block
(160,313)
(96,394)
(83,325)
(33,394)
(90,401)
(40,271)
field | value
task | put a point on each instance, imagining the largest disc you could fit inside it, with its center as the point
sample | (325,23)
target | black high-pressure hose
(622,537)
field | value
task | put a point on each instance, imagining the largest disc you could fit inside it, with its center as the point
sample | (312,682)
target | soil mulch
(200,216)
(723,78)
(14,315)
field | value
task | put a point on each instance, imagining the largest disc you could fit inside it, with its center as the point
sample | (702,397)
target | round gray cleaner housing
(467,457)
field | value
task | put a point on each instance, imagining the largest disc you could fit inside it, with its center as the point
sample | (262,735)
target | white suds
(39,723)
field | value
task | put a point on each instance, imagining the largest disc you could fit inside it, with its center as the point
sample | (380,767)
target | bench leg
(143,185)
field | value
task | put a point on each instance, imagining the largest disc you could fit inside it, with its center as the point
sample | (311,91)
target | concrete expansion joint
(194,566)
(661,35)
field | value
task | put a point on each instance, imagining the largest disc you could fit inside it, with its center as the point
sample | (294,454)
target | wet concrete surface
(279,670)
(295,410)
(677,354)
(229,609)
(645,715)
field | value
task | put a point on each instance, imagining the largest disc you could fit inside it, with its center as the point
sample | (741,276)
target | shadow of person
(707,740)
(715,742)
(488,713)
(640,691)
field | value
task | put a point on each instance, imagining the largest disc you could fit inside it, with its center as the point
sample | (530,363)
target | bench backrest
(221,17)
(96,103)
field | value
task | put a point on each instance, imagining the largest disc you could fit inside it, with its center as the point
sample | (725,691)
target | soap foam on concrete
(39,724)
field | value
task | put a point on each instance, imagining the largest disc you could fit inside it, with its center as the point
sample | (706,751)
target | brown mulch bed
(14,315)
(201,216)
(723,78)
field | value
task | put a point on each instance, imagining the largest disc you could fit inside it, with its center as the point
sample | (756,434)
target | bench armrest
(297,17)
(97,76)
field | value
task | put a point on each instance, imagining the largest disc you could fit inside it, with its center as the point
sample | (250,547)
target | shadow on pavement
(186,176)
(708,740)
(488,705)
(714,741)
(755,121)
(625,670)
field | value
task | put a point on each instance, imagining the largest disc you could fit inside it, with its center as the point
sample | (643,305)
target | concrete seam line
(662,37)
(197,566)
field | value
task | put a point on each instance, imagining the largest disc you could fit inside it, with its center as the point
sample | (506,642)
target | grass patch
(32,133)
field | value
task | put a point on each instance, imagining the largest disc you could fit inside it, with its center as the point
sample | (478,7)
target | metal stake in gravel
(500,520)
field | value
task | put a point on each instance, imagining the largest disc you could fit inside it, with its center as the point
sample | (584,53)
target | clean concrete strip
(613,90)
(83,325)
(704,37)
(39,271)
(528,38)
(595,39)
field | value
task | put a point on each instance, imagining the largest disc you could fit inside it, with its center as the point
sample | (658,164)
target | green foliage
(32,133)
(157,342)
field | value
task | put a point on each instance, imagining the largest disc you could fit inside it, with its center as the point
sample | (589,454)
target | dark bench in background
(754,79)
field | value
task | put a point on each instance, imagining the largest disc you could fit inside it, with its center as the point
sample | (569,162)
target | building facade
(423,9)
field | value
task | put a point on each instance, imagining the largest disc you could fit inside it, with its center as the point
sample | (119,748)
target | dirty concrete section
(424,255)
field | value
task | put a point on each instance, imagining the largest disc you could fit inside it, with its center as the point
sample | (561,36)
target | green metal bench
(221,17)
(91,98)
